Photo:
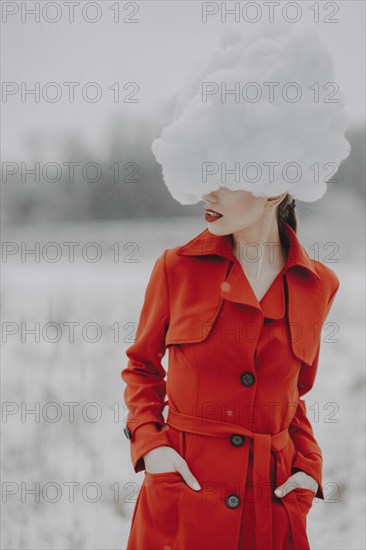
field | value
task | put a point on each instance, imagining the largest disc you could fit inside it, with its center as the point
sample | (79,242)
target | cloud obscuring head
(267,96)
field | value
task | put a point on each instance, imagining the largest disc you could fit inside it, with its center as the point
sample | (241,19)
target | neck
(259,249)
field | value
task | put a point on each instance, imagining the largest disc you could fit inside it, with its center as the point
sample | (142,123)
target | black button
(127,432)
(232,501)
(237,440)
(247,378)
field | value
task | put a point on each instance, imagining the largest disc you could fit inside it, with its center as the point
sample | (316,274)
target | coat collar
(206,244)
(237,287)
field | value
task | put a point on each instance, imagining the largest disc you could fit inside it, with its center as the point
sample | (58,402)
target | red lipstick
(212,215)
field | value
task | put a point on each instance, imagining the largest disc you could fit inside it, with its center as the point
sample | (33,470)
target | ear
(274,201)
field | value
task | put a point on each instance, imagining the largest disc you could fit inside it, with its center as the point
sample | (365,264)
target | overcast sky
(156,52)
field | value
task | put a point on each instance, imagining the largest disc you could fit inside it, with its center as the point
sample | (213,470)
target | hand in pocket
(166,459)
(298,480)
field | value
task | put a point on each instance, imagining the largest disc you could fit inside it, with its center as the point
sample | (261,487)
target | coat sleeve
(144,375)
(308,457)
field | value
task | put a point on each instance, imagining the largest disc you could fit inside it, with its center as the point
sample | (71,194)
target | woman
(241,306)
(242,350)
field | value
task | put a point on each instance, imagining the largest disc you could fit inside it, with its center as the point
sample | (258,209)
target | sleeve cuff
(312,464)
(146,437)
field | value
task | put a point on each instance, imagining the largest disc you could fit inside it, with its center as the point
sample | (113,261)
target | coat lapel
(212,273)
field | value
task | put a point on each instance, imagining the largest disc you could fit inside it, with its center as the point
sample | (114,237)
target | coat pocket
(155,519)
(149,477)
(305,498)
(161,505)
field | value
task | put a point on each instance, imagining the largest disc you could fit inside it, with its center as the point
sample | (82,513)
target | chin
(218,230)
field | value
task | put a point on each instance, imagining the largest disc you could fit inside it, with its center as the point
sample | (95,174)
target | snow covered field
(67,478)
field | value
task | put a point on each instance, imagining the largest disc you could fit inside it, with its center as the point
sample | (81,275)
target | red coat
(237,370)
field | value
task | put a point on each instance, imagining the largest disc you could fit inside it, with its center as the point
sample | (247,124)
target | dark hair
(286,212)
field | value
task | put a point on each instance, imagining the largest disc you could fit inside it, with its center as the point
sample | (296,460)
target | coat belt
(263,444)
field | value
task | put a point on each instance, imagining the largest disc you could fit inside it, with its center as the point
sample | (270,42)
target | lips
(212,215)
